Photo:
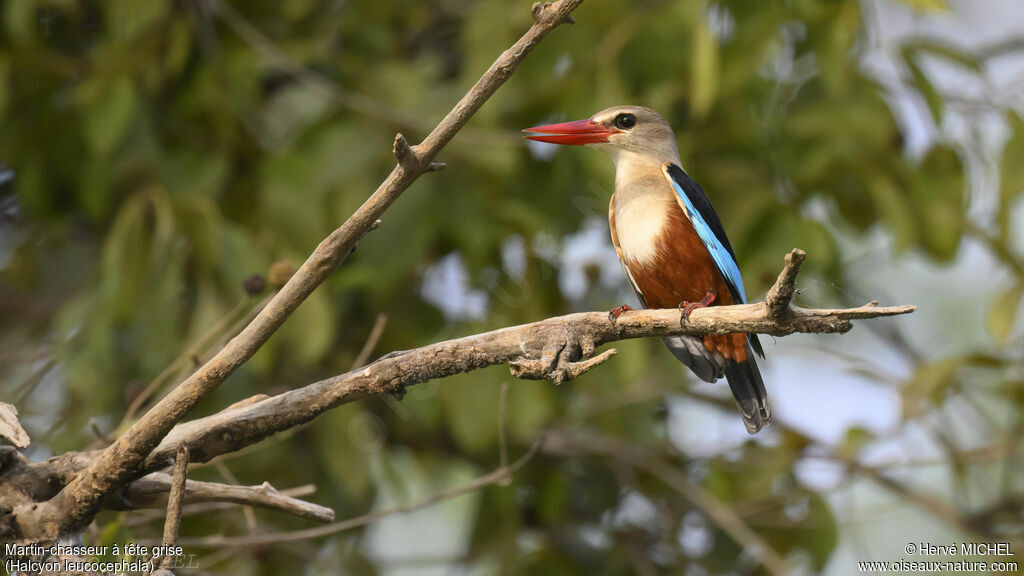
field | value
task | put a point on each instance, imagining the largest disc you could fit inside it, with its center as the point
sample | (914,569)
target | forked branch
(557,349)
(121,462)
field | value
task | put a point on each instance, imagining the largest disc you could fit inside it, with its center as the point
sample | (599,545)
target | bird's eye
(625,121)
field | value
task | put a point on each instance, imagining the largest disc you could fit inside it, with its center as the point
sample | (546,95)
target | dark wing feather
(698,199)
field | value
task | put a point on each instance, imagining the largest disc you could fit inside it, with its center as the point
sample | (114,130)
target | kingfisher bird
(671,244)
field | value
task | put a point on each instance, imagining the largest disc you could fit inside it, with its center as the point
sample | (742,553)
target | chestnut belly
(681,270)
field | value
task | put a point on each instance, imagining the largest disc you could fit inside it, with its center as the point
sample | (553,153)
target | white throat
(630,164)
(643,199)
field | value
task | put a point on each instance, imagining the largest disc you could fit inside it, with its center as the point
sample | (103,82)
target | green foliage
(1011,176)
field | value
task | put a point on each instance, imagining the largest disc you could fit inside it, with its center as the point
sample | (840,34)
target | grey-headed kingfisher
(671,244)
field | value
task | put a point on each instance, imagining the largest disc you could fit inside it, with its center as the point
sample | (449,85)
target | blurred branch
(565,442)
(939,508)
(151,491)
(498,476)
(247,511)
(997,245)
(78,502)
(371,341)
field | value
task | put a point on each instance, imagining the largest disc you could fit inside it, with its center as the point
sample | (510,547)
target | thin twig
(174,502)
(495,477)
(247,511)
(371,341)
(502,431)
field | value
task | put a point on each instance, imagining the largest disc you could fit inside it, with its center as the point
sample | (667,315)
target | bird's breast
(640,221)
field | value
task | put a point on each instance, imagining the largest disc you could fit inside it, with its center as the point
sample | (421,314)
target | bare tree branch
(152,491)
(78,502)
(145,516)
(556,349)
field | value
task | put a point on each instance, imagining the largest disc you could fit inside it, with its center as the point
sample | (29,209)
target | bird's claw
(616,312)
(687,307)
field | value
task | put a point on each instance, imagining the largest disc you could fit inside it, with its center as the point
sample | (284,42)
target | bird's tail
(748,390)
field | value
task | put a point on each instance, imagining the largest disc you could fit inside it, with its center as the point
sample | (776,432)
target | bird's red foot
(616,312)
(687,307)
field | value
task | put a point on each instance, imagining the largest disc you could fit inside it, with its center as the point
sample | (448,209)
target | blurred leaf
(200,223)
(124,257)
(114,532)
(895,210)
(4,83)
(345,440)
(96,194)
(470,403)
(856,439)
(1011,173)
(931,95)
(179,48)
(133,18)
(20,20)
(530,408)
(938,195)
(108,114)
(704,68)
(947,51)
(932,380)
(1002,315)
(310,330)
(291,110)
(928,385)
(927,5)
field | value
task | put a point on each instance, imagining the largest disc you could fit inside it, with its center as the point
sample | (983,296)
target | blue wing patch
(712,234)
(708,227)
